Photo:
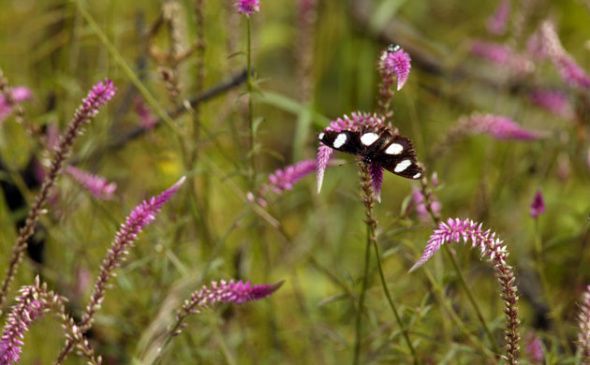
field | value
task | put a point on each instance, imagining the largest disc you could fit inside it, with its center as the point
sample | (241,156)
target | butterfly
(382,145)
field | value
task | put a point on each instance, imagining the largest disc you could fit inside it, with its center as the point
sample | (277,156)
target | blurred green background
(313,242)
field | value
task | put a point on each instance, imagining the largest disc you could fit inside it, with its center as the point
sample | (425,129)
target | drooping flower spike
(498,21)
(283,179)
(247,7)
(98,186)
(494,250)
(553,101)
(534,349)
(504,56)
(146,119)
(497,126)
(234,292)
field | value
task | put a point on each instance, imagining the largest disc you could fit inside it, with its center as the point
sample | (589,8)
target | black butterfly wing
(398,157)
(345,141)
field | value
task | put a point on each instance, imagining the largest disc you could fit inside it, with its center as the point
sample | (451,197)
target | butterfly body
(383,146)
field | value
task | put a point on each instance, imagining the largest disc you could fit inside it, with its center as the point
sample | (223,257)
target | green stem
(393,306)
(359,313)
(252,171)
(471,299)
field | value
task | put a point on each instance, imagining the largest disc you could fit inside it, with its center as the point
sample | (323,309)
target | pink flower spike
(248,7)
(534,349)
(98,186)
(554,101)
(571,73)
(538,205)
(146,119)
(284,179)
(498,21)
(99,95)
(497,126)
(322,159)
(236,292)
(502,55)
(377,179)
(395,63)
(22,315)
(356,122)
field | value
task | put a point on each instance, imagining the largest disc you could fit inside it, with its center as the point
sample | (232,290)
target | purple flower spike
(419,203)
(284,179)
(377,179)
(571,73)
(497,126)
(395,64)
(498,21)
(18,94)
(322,159)
(554,101)
(534,349)
(355,122)
(248,7)
(98,186)
(538,205)
(236,292)
(457,230)
(19,320)
(99,95)
(502,55)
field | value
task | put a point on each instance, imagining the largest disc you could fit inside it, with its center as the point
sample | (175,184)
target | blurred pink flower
(534,349)
(236,292)
(498,21)
(355,122)
(419,203)
(571,73)
(554,101)
(18,94)
(497,126)
(538,205)
(248,7)
(502,55)
(146,119)
(283,179)
(98,186)
(394,64)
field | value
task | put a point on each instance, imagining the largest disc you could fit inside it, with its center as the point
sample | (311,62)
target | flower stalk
(99,95)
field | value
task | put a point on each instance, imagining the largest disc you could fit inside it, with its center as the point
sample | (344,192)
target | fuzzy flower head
(497,126)
(553,101)
(236,292)
(538,205)
(503,56)
(98,186)
(98,96)
(283,179)
(355,122)
(247,7)
(17,95)
(498,21)
(394,64)
(26,310)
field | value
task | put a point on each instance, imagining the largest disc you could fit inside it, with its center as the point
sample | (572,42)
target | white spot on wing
(417,176)
(369,138)
(340,140)
(321,136)
(394,149)
(402,166)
